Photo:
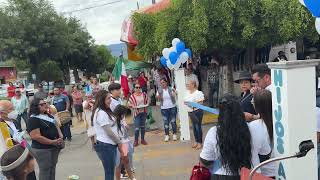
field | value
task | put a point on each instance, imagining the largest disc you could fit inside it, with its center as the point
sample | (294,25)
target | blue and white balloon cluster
(176,55)
(314,7)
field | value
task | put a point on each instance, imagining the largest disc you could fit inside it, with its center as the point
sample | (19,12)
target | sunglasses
(42,104)
(138,87)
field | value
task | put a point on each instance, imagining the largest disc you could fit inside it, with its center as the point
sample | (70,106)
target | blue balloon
(313,6)
(173,56)
(163,61)
(189,52)
(180,47)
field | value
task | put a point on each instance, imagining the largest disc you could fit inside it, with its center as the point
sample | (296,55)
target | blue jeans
(24,115)
(65,128)
(196,119)
(169,116)
(107,154)
(140,125)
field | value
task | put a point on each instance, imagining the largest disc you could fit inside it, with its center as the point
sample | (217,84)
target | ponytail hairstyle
(233,136)
(120,112)
(100,104)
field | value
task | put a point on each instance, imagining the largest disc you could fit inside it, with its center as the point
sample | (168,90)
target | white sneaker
(166,138)
(174,137)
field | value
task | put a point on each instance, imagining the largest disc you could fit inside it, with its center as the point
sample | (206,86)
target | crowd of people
(243,136)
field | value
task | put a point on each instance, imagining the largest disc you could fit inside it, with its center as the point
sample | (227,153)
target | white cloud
(103,23)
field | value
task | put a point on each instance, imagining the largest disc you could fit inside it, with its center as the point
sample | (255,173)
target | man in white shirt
(261,75)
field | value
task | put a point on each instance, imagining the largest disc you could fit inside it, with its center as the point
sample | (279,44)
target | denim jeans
(107,154)
(65,128)
(140,125)
(196,119)
(24,115)
(169,116)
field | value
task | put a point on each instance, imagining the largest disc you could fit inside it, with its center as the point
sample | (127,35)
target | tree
(224,26)
(49,71)
(37,33)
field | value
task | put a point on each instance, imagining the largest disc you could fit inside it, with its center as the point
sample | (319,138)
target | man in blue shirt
(62,103)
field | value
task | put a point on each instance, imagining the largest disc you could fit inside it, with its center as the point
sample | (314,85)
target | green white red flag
(120,74)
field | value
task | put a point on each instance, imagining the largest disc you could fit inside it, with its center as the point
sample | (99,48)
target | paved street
(157,161)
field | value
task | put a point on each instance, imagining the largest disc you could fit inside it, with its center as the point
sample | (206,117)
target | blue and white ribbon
(205,108)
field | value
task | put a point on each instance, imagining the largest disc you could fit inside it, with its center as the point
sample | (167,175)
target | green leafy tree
(50,71)
(37,33)
(224,26)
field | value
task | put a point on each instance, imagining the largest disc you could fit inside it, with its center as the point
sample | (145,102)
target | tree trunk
(226,80)
(66,76)
(76,75)
(251,58)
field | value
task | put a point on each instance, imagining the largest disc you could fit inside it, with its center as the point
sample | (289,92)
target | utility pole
(138,7)
(153,1)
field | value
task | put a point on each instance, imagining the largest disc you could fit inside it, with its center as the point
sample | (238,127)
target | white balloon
(179,61)
(184,57)
(166,53)
(176,66)
(302,2)
(172,49)
(318,25)
(175,42)
(169,65)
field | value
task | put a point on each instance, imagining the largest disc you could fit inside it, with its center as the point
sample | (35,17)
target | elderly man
(8,129)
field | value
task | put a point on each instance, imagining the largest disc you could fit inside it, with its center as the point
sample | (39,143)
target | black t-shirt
(47,129)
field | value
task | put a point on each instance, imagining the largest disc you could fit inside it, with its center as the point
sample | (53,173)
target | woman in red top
(11,90)
(143,82)
(77,102)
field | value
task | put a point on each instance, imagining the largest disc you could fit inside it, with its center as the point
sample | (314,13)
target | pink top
(77,98)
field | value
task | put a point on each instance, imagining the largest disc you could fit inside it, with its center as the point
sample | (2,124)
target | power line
(77,4)
(113,2)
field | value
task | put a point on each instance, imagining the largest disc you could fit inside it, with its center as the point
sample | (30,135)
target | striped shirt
(137,101)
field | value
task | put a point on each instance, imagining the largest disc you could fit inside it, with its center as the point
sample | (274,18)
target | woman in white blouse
(196,115)
(262,132)
(227,146)
(106,141)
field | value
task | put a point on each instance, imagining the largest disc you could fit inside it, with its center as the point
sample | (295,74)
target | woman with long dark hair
(125,147)
(103,121)
(227,146)
(262,131)
(47,138)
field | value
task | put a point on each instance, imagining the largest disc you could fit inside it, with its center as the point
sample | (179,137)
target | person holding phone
(139,102)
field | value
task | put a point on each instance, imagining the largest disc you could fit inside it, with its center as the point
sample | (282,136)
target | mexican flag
(120,74)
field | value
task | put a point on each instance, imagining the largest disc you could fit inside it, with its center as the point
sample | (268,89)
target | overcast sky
(103,23)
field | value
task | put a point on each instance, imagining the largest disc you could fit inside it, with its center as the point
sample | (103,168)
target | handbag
(200,172)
